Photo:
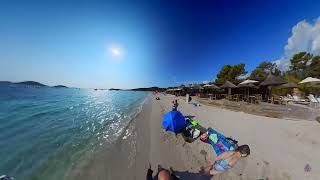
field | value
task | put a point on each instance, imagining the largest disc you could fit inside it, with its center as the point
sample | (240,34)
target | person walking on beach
(228,160)
(175,105)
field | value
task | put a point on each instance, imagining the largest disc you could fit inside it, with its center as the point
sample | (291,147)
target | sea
(45,133)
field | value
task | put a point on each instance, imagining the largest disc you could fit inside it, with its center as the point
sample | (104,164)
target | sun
(115,52)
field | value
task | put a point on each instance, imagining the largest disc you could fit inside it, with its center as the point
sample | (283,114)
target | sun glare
(115,52)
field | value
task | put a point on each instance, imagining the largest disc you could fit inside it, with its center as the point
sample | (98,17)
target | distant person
(175,105)
(163,174)
(228,160)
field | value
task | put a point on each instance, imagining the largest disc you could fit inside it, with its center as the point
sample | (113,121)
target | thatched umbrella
(271,81)
(196,88)
(228,85)
(210,86)
(248,81)
(287,85)
(248,84)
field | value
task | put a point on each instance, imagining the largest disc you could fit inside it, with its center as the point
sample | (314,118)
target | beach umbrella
(287,85)
(248,81)
(272,80)
(196,86)
(228,85)
(313,82)
(173,121)
(248,84)
(210,86)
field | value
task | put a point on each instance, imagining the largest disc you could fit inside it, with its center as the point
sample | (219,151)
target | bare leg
(214,172)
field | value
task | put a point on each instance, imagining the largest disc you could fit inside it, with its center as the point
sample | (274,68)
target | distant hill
(114,89)
(5,82)
(31,83)
(28,84)
(59,86)
(149,89)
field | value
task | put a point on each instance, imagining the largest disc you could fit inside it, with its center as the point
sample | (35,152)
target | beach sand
(280,148)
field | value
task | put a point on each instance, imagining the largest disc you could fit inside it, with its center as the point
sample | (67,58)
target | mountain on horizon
(30,83)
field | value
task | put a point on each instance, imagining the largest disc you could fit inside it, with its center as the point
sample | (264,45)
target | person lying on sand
(228,160)
(218,141)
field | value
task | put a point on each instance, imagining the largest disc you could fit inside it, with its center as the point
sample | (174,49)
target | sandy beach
(280,148)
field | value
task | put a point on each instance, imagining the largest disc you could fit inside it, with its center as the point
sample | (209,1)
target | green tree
(231,73)
(264,69)
(299,64)
(313,69)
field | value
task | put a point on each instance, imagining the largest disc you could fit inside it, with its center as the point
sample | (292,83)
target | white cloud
(305,37)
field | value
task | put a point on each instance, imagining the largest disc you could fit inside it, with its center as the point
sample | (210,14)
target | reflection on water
(46,132)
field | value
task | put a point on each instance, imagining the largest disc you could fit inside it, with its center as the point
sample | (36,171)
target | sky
(129,44)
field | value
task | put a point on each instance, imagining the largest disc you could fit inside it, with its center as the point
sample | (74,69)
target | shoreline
(118,160)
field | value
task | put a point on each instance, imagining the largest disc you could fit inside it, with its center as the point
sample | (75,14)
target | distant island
(40,85)
(60,86)
(114,89)
(29,84)
(149,89)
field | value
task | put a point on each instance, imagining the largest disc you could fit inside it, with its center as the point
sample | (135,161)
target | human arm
(149,173)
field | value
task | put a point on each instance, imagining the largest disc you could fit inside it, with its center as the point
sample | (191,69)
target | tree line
(302,65)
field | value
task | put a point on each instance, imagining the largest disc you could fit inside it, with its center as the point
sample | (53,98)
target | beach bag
(195,134)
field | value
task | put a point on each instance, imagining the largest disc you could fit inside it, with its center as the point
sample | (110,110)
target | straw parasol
(287,85)
(272,80)
(248,84)
(228,85)
(313,82)
(248,81)
(210,86)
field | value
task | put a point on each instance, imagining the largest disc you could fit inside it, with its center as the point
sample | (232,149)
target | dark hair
(244,149)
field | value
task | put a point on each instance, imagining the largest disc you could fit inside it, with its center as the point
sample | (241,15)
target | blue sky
(162,43)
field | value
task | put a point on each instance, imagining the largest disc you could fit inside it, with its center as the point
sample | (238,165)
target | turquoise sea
(47,132)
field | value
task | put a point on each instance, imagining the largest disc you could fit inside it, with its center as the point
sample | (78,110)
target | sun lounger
(276,99)
(297,100)
(313,100)
(287,99)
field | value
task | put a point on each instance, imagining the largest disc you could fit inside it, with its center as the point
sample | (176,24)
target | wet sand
(280,149)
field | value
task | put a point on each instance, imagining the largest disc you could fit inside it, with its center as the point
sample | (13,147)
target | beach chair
(287,99)
(235,97)
(258,98)
(313,100)
(276,99)
(298,100)
(269,100)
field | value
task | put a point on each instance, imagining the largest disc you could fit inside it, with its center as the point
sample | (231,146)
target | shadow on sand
(186,175)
